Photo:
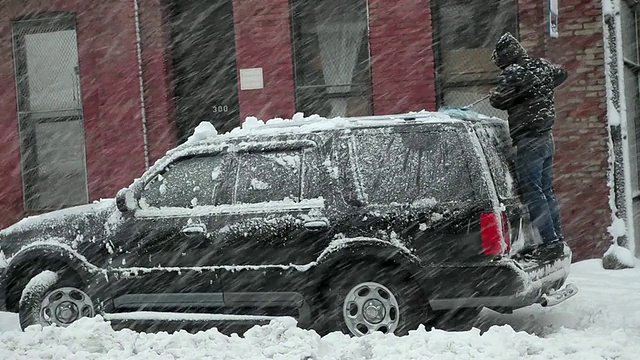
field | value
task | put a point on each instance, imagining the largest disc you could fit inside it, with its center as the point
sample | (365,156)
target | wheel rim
(65,305)
(370,307)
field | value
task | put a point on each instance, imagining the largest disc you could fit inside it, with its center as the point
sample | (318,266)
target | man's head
(508,51)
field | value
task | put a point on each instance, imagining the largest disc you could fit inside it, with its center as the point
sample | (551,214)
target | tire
(391,297)
(60,302)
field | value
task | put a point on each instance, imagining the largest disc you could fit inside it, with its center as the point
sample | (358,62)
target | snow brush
(476,102)
(464,108)
(463,112)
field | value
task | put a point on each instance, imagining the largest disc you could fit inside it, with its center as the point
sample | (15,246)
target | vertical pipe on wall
(143,112)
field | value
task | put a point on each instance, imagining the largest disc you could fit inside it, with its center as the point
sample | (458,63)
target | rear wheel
(60,303)
(364,299)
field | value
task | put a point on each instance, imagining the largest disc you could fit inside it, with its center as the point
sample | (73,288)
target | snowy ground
(601,322)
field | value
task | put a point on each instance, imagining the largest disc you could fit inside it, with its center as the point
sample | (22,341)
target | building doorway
(204,65)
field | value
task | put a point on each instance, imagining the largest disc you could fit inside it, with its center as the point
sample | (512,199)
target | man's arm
(508,89)
(558,72)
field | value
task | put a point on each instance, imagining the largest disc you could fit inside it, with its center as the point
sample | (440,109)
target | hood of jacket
(508,51)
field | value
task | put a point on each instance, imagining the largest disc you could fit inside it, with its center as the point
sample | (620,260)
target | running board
(186,317)
(556,297)
(147,305)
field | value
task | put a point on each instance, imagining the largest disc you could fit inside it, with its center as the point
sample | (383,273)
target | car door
(162,246)
(279,222)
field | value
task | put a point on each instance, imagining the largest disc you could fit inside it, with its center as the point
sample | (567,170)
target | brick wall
(11,205)
(402,65)
(581,128)
(262,30)
(110,96)
(402,79)
(402,71)
(156,72)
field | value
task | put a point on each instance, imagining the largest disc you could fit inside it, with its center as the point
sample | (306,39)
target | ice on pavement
(601,322)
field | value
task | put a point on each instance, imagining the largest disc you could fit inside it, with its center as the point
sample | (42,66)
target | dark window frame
(442,85)
(362,89)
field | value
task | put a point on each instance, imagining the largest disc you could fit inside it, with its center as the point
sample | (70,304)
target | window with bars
(49,111)
(631,59)
(331,57)
(465,34)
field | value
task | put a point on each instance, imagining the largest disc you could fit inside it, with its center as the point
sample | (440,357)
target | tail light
(494,233)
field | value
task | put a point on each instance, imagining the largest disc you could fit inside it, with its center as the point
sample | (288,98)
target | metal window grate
(47,65)
(50,111)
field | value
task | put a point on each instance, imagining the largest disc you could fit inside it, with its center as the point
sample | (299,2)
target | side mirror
(125,200)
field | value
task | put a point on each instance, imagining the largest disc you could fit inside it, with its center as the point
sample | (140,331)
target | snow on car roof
(252,126)
(206,139)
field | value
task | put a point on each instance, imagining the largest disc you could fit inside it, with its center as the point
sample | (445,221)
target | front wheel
(57,302)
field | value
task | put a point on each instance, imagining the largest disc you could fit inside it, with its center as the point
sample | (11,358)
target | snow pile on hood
(58,215)
(601,322)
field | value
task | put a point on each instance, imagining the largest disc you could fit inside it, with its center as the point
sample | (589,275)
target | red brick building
(94,91)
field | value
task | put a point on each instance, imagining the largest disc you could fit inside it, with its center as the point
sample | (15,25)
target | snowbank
(601,322)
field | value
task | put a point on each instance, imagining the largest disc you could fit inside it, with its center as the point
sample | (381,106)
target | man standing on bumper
(526,91)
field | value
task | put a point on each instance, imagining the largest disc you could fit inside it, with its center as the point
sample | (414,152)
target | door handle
(316,225)
(194,230)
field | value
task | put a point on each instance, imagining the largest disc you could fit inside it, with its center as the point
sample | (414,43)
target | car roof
(253,127)
(206,140)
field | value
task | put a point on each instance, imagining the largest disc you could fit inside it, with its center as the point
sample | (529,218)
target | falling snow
(601,322)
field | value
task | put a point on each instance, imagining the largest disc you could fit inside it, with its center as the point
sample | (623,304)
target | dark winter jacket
(525,89)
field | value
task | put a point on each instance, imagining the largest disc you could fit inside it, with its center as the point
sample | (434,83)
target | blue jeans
(534,161)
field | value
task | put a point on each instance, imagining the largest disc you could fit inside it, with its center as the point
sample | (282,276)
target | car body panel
(265,212)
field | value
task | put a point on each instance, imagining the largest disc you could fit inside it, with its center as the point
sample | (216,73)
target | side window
(496,150)
(190,182)
(420,167)
(270,176)
(320,170)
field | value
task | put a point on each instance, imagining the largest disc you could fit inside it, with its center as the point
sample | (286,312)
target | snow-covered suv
(355,224)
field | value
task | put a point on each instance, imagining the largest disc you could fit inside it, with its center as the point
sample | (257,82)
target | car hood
(71,226)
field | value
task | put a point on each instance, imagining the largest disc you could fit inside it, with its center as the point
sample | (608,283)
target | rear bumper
(505,284)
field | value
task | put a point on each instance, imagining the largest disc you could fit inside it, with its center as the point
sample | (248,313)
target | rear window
(496,148)
(419,167)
